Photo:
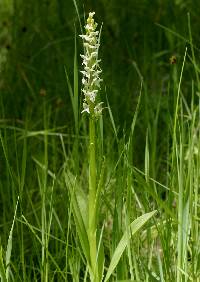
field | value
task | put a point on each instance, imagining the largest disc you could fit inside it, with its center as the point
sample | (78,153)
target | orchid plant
(91,84)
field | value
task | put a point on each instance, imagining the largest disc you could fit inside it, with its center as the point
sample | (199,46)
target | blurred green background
(38,39)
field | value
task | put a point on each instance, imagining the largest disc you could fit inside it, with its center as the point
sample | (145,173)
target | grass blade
(9,245)
(2,267)
(133,228)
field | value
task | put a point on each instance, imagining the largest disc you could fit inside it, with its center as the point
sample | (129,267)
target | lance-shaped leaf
(132,229)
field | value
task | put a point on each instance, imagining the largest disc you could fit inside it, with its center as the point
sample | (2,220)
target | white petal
(85,108)
(91,14)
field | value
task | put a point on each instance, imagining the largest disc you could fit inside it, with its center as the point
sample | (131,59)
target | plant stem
(92,199)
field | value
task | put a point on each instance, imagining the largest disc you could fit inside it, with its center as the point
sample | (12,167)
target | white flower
(90,95)
(91,72)
(98,109)
(85,108)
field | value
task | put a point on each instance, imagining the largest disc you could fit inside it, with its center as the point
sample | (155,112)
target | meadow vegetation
(126,209)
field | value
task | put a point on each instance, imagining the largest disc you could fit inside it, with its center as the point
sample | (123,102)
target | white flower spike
(91,80)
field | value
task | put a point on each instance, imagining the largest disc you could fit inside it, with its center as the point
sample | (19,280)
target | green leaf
(9,245)
(78,217)
(2,267)
(112,120)
(133,228)
(100,254)
(100,187)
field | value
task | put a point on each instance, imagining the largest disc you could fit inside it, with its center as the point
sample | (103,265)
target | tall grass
(144,160)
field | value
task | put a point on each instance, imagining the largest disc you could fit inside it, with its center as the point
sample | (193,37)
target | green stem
(92,199)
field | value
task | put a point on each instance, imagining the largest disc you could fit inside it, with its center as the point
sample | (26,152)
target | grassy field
(110,197)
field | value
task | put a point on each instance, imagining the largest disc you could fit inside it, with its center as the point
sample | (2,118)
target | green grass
(147,144)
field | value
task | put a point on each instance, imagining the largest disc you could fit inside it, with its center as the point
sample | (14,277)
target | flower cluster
(91,80)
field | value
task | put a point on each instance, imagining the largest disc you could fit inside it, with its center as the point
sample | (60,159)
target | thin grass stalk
(180,213)
(177,155)
(76,107)
(44,274)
